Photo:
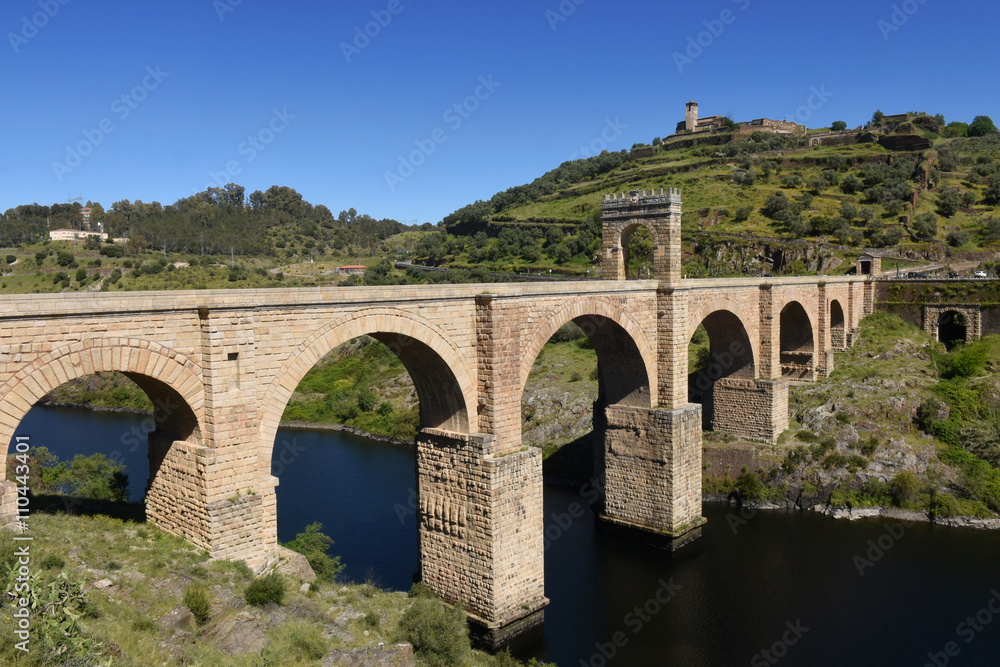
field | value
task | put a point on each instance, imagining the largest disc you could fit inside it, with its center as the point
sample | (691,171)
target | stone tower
(691,118)
(658,211)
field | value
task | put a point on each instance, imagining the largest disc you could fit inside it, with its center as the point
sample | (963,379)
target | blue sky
(156,100)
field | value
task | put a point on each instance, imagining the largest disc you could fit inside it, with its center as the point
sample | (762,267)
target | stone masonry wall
(753,409)
(480,525)
(653,468)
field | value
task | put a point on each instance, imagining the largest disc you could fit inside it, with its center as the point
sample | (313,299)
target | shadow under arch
(797,343)
(838,326)
(729,355)
(952,328)
(439,371)
(632,238)
(626,363)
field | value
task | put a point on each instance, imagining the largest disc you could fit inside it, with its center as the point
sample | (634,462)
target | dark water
(788,583)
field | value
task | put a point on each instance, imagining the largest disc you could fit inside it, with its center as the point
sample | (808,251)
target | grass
(159,573)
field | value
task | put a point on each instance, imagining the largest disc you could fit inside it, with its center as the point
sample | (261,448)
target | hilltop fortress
(692,124)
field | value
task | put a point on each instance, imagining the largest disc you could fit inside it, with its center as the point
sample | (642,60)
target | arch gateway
(227,361)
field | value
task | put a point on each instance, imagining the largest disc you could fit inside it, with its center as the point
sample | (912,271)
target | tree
(775,204)
(838,126)
(991,229)
(948,202)
(925,225)
(850,184)
(877,117)
(314,545)
(981,126)
(958,238)
(992,194)
(956,129)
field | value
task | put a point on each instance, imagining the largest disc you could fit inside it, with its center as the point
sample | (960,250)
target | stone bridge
(220,366)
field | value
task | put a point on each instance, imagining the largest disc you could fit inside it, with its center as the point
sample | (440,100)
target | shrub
(313,544)
(197,600)
(945,505)
(11,259)
(958,238)
(371,620)
(53,562)
(905,487)
(870,446)
(567,333)
(439,634)
(81,274)
(64,258)
(836,460)
(367,399)
(806,436)
(298,642)
(749,486)
(268,588)
(925,225)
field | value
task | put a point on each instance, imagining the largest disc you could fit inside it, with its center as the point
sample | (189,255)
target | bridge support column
(652,488)
(191,494)
(481,531)
(8,502)
(753,409)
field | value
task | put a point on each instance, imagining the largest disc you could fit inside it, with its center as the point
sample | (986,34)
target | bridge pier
(8,502)
(753,409)
(191,494)
(652,463)
(481,531)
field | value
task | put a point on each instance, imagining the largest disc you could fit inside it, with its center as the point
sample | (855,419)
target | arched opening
(105,437)
(589,363)
(638,245)
(719,350)
(838,328)
(796,343)
(383,384)
(952,328)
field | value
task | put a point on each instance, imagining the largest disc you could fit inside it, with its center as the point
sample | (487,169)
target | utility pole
(232,257)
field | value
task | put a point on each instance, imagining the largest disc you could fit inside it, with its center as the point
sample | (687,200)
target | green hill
(766,189)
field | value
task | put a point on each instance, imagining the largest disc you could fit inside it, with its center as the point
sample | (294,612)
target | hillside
(91,583)
(899,423)
(774,193)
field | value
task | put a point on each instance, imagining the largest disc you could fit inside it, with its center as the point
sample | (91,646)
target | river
(802,587)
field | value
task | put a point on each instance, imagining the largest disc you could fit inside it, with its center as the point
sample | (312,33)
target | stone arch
(952,328)
(838,326)
(172,382)
(731,357)
(439,370)
(726,305)
(626,359)
(617,239)
(797,342)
